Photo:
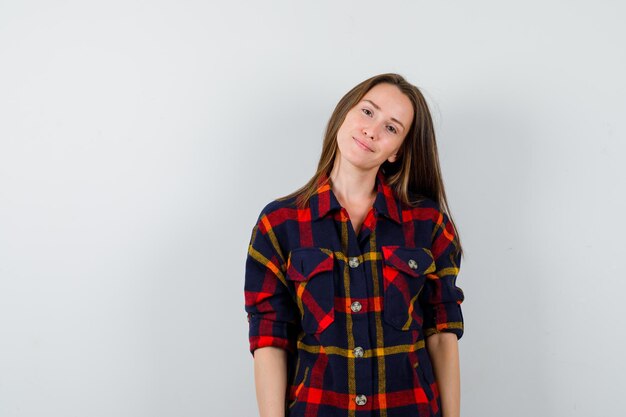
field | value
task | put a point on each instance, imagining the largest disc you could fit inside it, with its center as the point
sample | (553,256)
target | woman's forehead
(388,99)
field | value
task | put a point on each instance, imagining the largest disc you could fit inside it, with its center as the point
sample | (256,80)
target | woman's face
(374,129)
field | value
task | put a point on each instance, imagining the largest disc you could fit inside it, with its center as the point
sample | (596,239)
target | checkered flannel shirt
(353,311)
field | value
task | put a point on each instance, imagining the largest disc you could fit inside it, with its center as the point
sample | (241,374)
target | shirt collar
(387,202)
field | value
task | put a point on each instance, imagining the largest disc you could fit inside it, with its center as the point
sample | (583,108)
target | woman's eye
(367,112)
(392,129)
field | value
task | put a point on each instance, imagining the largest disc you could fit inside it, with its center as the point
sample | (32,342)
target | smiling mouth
(362,144)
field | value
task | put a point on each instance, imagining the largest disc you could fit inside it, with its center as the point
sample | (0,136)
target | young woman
(350,283)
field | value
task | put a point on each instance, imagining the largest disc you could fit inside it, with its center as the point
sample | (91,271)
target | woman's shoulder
(278,208)
(424,208)
(421,201)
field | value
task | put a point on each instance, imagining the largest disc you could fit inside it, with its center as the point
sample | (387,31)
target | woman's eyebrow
(378,108)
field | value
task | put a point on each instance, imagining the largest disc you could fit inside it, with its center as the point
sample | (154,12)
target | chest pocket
(311,271)
(404,274)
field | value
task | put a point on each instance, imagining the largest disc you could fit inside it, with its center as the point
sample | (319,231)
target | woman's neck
(353,187)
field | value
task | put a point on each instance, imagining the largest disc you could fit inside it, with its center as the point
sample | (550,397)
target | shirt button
(354,262)
(412,264)
(358,352)
(360,399)
(356,306)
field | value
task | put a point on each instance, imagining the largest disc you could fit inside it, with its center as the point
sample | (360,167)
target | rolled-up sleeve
(271,310)
(441,299)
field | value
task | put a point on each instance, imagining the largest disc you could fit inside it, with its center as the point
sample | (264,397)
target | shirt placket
(359,340)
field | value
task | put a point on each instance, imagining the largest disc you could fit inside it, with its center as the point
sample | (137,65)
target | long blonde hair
(415,174)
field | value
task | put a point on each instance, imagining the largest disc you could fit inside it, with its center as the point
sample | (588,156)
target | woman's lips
(362,145)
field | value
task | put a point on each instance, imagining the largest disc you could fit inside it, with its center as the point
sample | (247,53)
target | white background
(139,141)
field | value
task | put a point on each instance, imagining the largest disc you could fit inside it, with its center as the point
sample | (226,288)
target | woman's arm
(270,378)
(443,349)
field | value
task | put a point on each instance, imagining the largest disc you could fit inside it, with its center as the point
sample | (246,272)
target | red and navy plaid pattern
(354,310)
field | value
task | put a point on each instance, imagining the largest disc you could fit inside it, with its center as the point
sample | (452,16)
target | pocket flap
(411,261)
(304,263)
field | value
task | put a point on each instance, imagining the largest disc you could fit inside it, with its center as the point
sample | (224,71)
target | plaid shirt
(354,310)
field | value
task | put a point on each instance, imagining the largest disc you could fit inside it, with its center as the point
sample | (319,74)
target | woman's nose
(368,131)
